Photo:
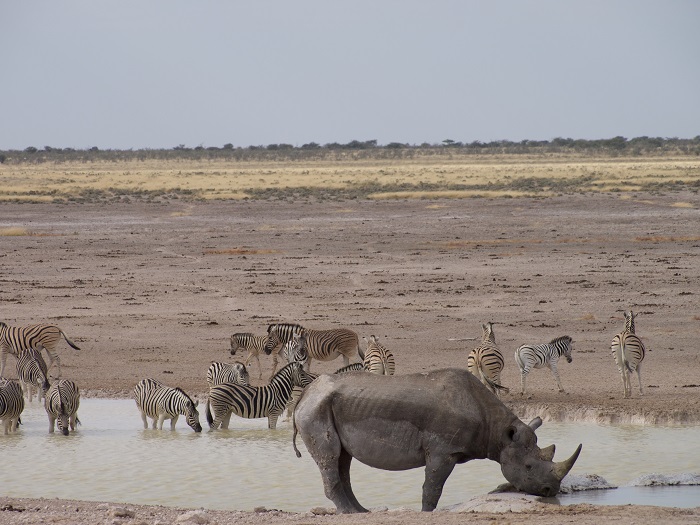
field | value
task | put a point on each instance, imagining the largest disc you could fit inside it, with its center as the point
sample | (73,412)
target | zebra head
(295,350)
(564,345)
(191,413)
(300,377)
(629,321)
(238,342)
(273,339)
(240,372)
(63,419)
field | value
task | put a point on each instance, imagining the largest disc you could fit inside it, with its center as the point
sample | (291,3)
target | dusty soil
(156,289)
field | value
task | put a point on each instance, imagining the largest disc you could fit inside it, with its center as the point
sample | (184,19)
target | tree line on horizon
(616,146)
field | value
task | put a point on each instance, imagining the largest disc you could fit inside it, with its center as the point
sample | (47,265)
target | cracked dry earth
(156,289)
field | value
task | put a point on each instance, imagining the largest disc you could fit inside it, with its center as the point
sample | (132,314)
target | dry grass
(664,238)
(238,251)
(14,232)
(458,177)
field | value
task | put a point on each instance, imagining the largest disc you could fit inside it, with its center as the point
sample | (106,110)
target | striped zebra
(32,373)
(324,345)
(161,402)
(547,354)
(295,351)
(235,372)
(14,339)
(254,344)
(62,402)
(377,359)
(486,360)
(11,404)
(253,401)
(628,351)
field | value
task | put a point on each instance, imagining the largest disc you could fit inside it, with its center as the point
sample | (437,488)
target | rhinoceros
(435,419)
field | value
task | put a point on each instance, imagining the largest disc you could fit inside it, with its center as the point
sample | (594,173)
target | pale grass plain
(456,176)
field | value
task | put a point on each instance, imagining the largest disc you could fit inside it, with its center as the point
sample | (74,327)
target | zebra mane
(178,389)
(559,339)
(285,325)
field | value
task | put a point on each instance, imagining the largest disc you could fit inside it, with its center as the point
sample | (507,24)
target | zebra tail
(210,419)
(71,343)
(493,383)
(623,355)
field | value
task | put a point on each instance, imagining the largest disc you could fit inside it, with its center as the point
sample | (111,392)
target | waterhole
(112,458)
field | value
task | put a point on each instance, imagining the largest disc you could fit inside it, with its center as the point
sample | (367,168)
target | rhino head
(528,467)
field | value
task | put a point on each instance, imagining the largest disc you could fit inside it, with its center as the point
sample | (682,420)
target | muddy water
(112,458)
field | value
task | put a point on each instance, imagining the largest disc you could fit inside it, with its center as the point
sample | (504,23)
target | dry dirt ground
(156,289)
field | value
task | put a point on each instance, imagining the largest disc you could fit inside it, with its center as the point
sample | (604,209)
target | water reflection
(112,458)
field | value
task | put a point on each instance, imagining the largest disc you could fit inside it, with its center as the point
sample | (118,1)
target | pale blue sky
(149,74)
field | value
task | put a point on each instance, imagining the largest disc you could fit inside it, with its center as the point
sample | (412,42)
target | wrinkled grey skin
(435,419)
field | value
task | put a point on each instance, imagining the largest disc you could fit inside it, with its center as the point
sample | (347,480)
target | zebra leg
(173,420)
(52,423)
(143,418)
(71,421)
(226,420)
(639,377)
(161,419)
(3,359)
(272,418)
(257,359)
(523,375)
(555,372)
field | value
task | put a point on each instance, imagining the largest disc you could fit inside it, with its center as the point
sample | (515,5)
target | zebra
(62,402)
(161,402)
(235,372)
(547,354)
(255,402)
(295,351)
(11,404)
(32,372)
(628,351)
(324,345)
(377,359)
(486,360)
(254,344)
(14,339)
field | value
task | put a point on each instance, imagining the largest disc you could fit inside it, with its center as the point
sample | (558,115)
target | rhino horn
(547,453)
(562,468)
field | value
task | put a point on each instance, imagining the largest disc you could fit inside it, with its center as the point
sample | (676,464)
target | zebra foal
(62,402)
(11,404)
(537,356)
(628,351)
(324,345)
(235,372)
(161,402)
(254,344)
(377,359)
(255,402)
(14,339)
(486,361)
(32,373)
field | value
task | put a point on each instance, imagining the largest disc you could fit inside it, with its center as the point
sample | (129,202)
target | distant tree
(228,146)
(3,158)
(396,145)
(311,145)
(30,149)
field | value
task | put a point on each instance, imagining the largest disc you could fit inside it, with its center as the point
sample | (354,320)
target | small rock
(195,516)
(121,512)
(321,511)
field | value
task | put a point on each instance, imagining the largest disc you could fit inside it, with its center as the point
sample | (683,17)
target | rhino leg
(344,470)
(437,470)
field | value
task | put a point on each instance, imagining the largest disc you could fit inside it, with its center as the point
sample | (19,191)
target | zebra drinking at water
(161,402)
(62,402)
(32,373)
(253,401)
(486,360)
(377,359)
(547,354)
(235,372)
(11,404)
(254,344)
(14,339)
(324,345)
(628,351)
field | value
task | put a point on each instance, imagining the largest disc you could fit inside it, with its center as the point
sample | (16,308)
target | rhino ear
(512,435)
(535,423)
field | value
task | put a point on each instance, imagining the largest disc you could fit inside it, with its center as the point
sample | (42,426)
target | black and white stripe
(62,403)
(32,373)
(323,345)
(547,354)
(11,404)
(14,339)
(253,344)
(235,372)
(486,360)
(377,359)
(161,402)
(628,351)
(253,401)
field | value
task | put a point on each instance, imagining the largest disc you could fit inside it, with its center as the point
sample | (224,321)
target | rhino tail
(294,435)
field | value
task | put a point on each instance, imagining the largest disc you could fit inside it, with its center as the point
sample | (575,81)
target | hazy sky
(149,74)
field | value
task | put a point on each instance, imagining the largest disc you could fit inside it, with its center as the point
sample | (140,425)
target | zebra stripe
(254,344)
(537,356)
(160,402)
(628,351)
(486,360)
(324,345)
(354,367)
(235,372)
(14,339)
(32,372)
(11,404)
(378,359)
(255,402)
(62,402)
